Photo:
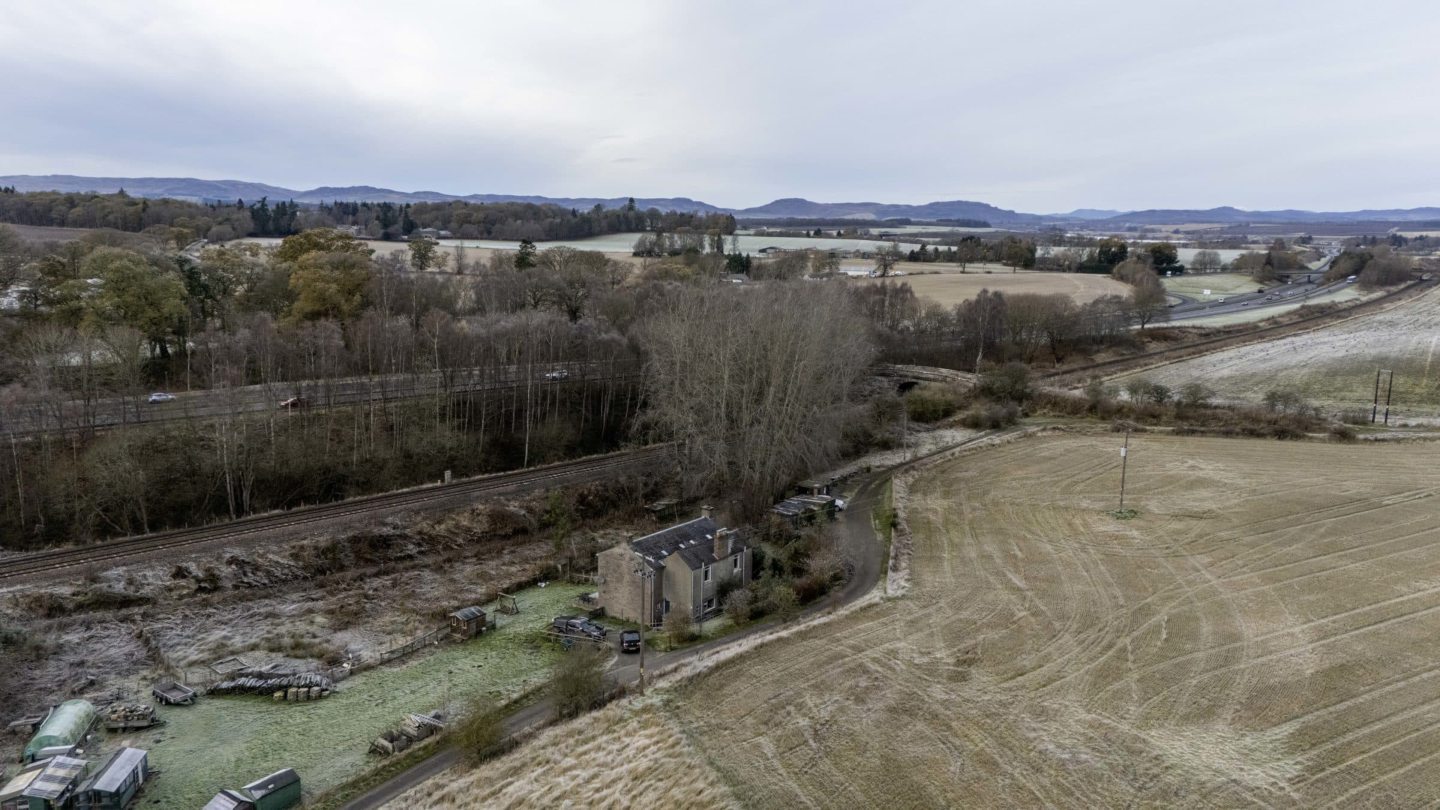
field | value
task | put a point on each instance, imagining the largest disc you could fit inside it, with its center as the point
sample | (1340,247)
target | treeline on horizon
(181,222)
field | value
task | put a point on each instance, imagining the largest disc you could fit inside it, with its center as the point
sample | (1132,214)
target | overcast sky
(1034,106)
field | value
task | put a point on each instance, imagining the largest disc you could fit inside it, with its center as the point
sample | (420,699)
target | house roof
(693,540)
(466,614)
(226,800)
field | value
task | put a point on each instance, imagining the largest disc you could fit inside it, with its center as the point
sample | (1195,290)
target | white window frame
(704,573)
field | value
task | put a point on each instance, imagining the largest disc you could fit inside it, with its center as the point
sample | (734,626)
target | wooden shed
(467,622)
(116,783)
(45,785)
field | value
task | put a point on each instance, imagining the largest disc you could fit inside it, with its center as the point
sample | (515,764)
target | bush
(1195,395)
(679,627)
(738,605)
(480,732)
(990,416)
(931,402)
(1342,433)
(577,684)
(1007,383)
(1355,416)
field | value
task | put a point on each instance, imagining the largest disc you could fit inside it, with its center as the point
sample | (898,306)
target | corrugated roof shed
(226,800)
(54,777)
(466,614)
(111,778)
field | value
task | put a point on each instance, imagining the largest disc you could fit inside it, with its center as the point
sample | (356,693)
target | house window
(666,608)
(705,574)
(735,563)
(709,605)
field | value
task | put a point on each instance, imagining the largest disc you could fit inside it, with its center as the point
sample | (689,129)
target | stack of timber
(130,717)
(413,729)
(293,686)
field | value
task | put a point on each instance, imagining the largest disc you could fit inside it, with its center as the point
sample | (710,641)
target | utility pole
(646,574)
(1389,389)
(1375,403)
(1124,463)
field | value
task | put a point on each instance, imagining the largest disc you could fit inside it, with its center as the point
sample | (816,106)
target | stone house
(679,568)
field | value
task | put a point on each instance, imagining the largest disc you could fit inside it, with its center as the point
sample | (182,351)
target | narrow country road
(860,546)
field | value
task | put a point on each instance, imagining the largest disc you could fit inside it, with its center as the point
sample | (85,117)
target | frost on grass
(628,754)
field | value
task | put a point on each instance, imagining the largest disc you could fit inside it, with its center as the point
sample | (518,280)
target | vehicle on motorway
(159,397)
(630,641)
(1221,300)
(294,403)
(578,626)
(557,374)
(1351,279)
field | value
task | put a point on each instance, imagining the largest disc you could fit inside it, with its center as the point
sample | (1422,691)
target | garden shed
(467,622)
(278,791)
(63,729)
(116,783)
(47,785)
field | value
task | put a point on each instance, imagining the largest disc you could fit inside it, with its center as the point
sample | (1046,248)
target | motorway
(52,416)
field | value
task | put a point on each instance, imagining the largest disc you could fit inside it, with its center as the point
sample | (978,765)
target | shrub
(738,605)
(1007,383)
(990,416)
(1195,395)
(679,627)
(1355,416)
(1342,433)
(931,402)
(577,684)
(479,733)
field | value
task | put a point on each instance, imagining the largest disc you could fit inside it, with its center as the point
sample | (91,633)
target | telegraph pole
(1375,403)
(1124,462)
(1389,389)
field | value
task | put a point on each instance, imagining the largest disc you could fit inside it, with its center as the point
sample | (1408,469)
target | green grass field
(1217,283)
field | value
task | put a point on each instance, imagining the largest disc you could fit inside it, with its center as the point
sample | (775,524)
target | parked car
(294,403)
(578,626)
(557,374)
(1351,279)
(630,641)
(159,397)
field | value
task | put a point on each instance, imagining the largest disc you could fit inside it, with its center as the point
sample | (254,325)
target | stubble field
(952,287)
(1266,632)
(1334,366)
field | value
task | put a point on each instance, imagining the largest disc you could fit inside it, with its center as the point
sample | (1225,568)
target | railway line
(57,563)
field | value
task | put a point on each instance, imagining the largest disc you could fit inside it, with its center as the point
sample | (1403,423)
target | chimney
(707,511)
(722,544)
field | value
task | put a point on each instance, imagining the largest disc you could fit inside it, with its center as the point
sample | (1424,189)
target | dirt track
(1266,632)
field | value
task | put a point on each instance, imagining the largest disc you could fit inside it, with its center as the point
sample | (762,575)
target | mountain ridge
(189,188)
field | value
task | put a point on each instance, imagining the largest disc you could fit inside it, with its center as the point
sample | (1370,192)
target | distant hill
(953,209)
(189,188)
(1235,216)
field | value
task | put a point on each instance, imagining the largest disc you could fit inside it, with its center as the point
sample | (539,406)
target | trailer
(130,717)
(172,693)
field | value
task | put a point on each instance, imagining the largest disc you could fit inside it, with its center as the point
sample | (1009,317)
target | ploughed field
(1266,631)
(1334,366)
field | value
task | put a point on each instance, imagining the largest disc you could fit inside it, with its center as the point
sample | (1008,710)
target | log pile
(293,686)
(412,729)
(126,716)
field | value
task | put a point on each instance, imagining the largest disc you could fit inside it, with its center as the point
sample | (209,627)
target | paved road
(858,542)
(1289,293)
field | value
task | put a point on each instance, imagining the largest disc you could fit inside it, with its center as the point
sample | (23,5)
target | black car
(630,641)
(578,626)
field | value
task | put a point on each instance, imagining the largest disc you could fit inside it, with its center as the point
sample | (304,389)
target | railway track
(59,562)
(1197,348)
